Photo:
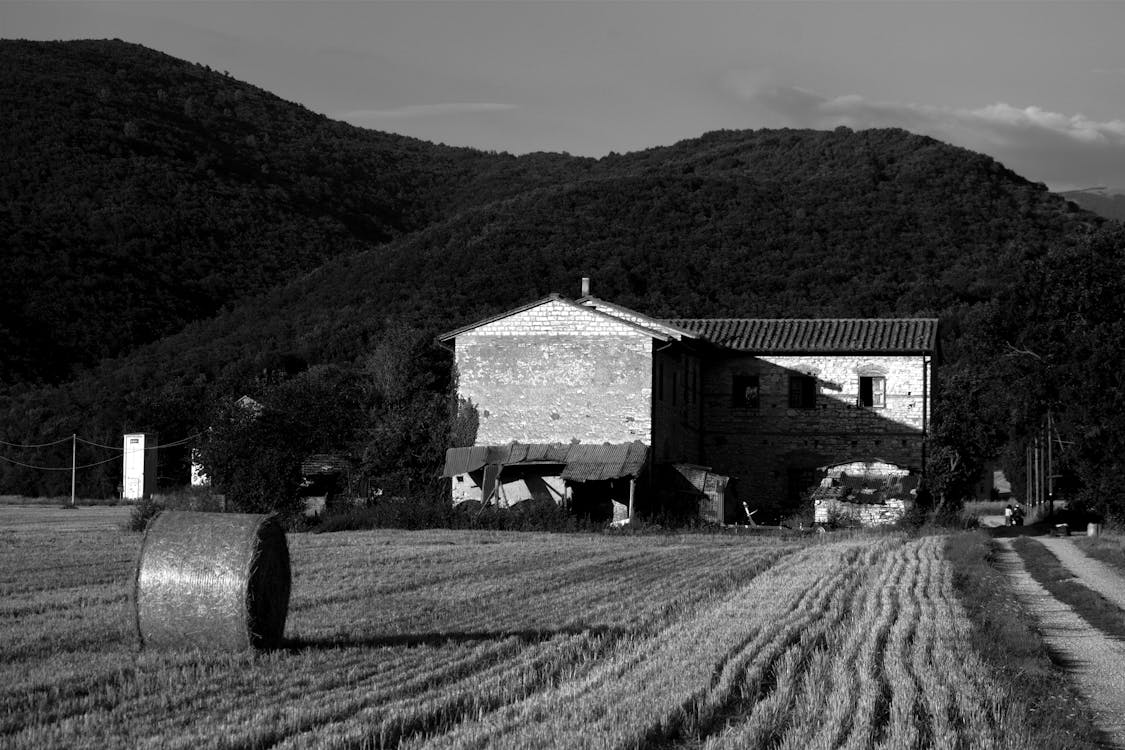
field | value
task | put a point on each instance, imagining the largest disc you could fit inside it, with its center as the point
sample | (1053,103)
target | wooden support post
(632,492)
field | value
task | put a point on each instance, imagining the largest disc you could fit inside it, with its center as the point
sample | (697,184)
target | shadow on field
(296,645)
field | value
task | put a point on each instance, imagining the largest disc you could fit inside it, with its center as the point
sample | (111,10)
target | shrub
(142,513)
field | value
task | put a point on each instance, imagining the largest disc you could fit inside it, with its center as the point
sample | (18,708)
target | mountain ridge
(771,223)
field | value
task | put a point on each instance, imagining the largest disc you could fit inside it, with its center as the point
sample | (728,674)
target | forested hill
(141,192)
(331,255)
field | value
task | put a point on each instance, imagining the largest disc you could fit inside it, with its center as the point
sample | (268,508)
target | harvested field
(486,639)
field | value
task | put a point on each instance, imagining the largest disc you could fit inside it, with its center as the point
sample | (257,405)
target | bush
(388,513)
(142,513)
(254,458)
(838,518)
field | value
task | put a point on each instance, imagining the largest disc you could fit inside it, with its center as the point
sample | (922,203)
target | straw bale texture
(217,581)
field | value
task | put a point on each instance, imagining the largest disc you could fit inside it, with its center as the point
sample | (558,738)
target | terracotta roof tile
(796,335)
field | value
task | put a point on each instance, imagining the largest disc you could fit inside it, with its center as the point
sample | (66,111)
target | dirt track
(1094,660)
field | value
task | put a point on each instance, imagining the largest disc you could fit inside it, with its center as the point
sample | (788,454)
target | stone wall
(557,373)
(774,450)
(862,514)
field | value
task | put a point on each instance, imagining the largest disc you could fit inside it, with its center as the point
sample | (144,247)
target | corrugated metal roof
(588,463)
(797,335)
(582,463)
(464,460)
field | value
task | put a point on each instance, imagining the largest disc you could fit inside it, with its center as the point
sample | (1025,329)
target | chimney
(585,286)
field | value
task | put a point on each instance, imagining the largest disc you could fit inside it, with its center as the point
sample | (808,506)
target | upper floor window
(745,391)
(802,392)
(873,391)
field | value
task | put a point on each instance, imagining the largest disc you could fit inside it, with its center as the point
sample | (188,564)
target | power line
(74,438)
(99,445)
(174,443)
(35,445)
(57,468)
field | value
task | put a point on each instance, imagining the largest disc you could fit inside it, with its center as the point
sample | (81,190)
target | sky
(1040,86)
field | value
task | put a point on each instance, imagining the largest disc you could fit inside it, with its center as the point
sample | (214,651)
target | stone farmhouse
(611,412)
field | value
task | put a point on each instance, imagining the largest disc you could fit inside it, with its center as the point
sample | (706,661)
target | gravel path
(1094,660)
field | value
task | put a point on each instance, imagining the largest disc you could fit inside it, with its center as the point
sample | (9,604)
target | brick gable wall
(557,373)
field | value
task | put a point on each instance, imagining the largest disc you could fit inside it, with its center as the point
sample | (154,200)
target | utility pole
(1050,463)
(73,464)
(1038,470)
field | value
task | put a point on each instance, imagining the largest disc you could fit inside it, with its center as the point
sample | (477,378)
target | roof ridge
(593,301)
(654,331)
(791,319)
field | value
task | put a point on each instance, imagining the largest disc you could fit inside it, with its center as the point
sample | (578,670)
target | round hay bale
(216,581)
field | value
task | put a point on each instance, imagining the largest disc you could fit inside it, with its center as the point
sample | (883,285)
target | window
(872,391)
(744,391)
(802,392)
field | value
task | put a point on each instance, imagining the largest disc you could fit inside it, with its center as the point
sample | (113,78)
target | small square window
(873,391)
(745,391)
(802,392)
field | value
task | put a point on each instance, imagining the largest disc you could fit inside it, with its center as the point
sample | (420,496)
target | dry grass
(1109,547)
(494,639)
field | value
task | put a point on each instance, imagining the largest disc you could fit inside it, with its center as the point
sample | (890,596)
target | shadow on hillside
(297,645)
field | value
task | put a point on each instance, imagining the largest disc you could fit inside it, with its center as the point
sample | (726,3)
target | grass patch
(1003,633)
(1109,548)
(1057,579)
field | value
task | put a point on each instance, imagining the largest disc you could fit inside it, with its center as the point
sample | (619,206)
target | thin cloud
(1059,149)
(415,111)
